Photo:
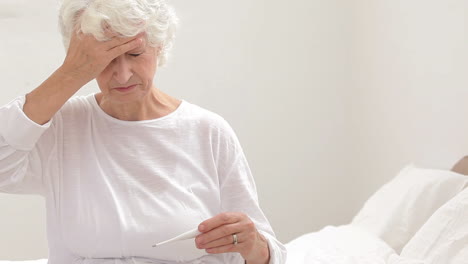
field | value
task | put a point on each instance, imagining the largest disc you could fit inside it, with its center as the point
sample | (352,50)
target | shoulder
(217,130)
(79,103)
(77,111)
(77,106)
(208,119)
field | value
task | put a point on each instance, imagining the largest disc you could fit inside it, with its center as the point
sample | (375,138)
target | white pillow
(443,239)
(399,209)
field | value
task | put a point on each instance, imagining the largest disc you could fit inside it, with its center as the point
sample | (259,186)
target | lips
(125,89)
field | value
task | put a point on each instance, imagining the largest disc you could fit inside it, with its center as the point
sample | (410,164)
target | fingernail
(201,228)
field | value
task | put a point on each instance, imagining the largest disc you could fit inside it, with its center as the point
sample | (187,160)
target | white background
(329,98)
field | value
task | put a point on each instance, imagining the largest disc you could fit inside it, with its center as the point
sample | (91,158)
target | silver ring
(234,238)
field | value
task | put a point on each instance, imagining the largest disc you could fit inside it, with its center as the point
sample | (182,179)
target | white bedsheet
(37,261)
(342,245)
(331,245)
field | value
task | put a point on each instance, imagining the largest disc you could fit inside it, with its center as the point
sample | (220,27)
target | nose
(121,69)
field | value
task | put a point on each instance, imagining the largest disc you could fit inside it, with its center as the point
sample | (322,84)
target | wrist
(71,78)
(262,253)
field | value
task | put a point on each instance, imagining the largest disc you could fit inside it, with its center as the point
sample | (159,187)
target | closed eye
(135,54)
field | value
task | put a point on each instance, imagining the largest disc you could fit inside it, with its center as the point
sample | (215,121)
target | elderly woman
(130,166)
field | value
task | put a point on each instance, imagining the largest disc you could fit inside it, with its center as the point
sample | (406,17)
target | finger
(223,249)
(118,50)
(218,233)
(119,40)
(219,220)
(223,241)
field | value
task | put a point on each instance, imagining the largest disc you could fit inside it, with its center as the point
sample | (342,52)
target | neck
(154,104)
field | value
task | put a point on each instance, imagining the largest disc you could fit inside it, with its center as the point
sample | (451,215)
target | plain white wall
(410,79)
(329,98)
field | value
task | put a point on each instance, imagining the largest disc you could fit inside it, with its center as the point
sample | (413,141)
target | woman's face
(129,77)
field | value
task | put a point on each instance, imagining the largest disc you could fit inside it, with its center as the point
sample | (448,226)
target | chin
(129,96)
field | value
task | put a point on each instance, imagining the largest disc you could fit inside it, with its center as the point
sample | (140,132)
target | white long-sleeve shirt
(114,188)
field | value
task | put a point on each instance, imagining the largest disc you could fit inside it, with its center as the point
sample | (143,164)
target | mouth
(125,89)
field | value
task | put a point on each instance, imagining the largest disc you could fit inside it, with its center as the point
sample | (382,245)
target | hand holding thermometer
(187,235)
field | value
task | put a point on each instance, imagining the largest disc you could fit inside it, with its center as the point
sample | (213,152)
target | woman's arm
(86,58)
(242,214)
(21,162)
(26,119)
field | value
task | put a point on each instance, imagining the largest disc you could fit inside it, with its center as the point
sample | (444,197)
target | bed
(419,217)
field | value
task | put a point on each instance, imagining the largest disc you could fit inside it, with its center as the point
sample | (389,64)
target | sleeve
(21,158)
(238,191)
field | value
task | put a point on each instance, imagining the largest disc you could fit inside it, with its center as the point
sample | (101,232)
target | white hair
(126,17)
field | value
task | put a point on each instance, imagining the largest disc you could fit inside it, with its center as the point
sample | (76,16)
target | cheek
(147,70)
(103,78)
(151,69)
